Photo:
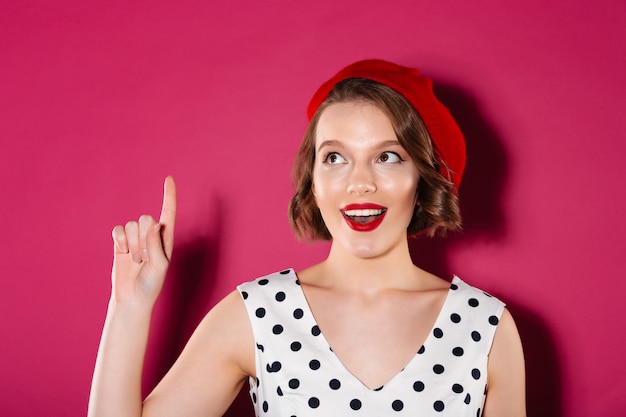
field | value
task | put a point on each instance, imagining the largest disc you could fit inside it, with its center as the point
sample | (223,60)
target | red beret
(418,90)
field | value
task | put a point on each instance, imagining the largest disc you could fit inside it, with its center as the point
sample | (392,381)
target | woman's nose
(361,180)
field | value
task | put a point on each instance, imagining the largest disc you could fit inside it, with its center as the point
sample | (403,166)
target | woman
(365,331)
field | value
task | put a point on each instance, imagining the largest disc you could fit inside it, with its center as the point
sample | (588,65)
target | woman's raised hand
(142,253)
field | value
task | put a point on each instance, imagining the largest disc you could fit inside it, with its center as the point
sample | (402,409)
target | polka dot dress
(299,375)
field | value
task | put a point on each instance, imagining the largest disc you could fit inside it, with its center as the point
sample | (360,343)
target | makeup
(363,217)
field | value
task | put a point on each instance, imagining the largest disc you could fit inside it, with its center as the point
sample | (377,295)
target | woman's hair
(437,209)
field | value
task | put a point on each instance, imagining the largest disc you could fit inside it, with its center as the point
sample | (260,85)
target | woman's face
(364,182)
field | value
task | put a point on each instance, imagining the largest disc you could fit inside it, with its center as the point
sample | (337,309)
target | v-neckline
(322,338)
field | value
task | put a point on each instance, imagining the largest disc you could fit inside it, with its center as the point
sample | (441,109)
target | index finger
(168,215)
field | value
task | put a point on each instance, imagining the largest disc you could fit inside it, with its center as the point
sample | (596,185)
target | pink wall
(99,101)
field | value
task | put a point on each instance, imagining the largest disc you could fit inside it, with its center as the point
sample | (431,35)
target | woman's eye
(389,158)
(334,158)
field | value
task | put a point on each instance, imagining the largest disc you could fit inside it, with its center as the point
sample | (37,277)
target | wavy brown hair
(437,209)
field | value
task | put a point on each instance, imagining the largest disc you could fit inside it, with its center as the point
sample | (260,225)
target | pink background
(99,101)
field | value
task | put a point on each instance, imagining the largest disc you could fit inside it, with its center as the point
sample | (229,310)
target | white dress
(299,375)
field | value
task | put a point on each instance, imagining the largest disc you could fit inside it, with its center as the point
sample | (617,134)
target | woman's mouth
(363,217)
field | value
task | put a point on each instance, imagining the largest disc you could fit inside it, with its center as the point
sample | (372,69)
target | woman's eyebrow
(388,143)
(339,144)
(331,142)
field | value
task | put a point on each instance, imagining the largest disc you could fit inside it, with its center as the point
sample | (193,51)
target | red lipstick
(364,217)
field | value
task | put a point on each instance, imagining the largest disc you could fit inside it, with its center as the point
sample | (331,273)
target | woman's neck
(392,270)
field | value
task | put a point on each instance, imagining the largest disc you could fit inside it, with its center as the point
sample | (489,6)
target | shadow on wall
(543,373)
(483,219)
(185,300)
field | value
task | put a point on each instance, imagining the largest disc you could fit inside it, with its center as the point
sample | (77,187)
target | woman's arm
(214,364)
(506,393)
(204,380)
(211,369)
(141,254)
(116,384)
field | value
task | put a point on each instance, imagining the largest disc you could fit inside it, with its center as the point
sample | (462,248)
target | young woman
(365,332)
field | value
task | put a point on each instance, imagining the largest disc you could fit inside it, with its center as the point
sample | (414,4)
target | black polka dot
(315,330)
(438,369)
(294,383)
(334,384)
(296,346)
(439,406)
(355,404)
(279,391)
(314,364)
(457,351)
(278,329)
(379,388)
(274,367)
(438,333)
(454,287)
(455,318)
(260,312)
(467,399)
(314,402)
(266,407)
(478,413)
(263,282)
(422,350)
(418,386)
(458,388)
(493,320)
(476,374)
(397,405)
(298,313)
(476,336)
(473,302)
(280,296)
(254,397)
(284,272)
(244,295)
(260,347)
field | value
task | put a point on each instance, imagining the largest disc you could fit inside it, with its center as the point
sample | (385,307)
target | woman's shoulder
(272,280)
(473,296)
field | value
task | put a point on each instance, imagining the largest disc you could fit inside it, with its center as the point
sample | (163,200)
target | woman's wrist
(129,309)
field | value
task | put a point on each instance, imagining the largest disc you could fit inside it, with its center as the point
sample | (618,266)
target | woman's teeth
(364,213)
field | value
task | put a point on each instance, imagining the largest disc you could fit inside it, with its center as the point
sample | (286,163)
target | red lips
(364,222)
